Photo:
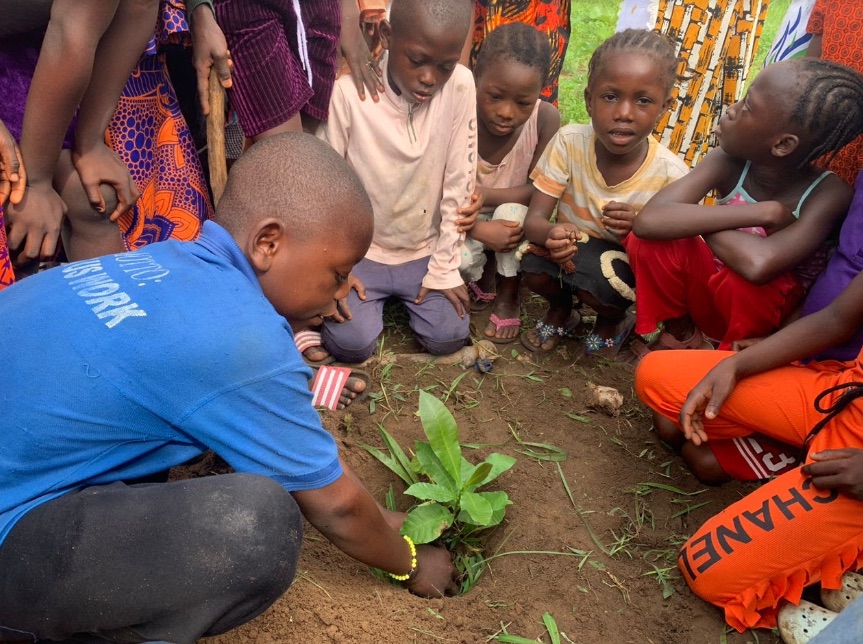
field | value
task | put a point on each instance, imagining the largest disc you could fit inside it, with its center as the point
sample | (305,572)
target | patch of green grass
(592,22)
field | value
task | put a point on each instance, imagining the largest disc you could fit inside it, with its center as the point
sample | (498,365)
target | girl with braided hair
(598,176)
(701,276)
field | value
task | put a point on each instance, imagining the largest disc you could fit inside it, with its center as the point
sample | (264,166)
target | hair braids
(828,106)
(642,41)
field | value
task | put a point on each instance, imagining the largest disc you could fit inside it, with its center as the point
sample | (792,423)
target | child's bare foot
(504,325)
(316,354)
(556,324)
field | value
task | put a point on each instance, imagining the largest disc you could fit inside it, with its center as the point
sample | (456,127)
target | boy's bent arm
(346,514)
(675,213)
(459,178)
(761,259)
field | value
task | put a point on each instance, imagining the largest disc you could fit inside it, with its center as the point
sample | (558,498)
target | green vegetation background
(594,20)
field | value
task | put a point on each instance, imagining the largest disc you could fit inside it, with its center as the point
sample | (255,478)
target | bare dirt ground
(601,563)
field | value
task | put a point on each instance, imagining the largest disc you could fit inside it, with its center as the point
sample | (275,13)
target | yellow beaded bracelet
(413,569)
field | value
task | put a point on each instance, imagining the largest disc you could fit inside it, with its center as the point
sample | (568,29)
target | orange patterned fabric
(7,275)
(840,25)
(149,133)
(716,40)
(786,535)
(549,16)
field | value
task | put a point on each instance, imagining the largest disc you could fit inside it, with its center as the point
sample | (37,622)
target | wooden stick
(216,138)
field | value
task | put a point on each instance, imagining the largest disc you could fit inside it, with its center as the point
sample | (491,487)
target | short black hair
(641,41)
(301,181)
(445,14)
(828,106)
(518,43)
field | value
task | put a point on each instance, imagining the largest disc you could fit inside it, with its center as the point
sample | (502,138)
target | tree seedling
(451,510)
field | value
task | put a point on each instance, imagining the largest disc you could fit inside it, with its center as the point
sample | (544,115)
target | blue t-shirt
(126,365)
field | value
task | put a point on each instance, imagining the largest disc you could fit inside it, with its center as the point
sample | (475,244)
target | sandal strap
(479,295)
(307,339)
(501,323)
(328,385)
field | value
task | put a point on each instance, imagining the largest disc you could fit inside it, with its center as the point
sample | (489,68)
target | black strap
(853,391)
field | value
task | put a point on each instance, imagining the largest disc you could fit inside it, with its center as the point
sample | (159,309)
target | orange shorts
(785,535)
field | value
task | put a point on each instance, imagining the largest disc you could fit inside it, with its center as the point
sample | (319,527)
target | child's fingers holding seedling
(435,575)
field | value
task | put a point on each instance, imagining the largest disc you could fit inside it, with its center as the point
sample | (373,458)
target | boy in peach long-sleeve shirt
(415,152)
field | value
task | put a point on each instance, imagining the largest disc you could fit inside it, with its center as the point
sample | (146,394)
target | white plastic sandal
(851,590)
(799,624)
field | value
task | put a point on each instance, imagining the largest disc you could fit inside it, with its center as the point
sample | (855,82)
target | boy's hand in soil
(500,235)
(457,296)
(470,212)
(617,217)
(435,575)
(343,312)
(13,176)
(837,469)
(561,242)
(706,398)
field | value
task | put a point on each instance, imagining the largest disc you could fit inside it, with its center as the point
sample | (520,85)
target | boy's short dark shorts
(271,84)
(601,269)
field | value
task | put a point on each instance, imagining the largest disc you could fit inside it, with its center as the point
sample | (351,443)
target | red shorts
(754,457)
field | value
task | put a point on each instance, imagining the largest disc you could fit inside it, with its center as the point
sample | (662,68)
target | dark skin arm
(559,239)
(59,82)
(346,514)
(547,124)
(209,51)
(807,336)
(674,211)
(62,77)
(116,56)
(760,259)
(364,71)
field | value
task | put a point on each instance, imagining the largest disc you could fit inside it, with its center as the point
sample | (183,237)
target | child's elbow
(757,270)
(644,227)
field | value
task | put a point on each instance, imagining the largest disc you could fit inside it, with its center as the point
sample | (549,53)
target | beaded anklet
(413,569)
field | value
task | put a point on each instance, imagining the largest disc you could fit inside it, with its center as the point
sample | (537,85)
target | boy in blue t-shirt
(126,365)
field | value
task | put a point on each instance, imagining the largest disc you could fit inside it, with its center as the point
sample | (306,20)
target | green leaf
(432,467)
(426,522)
(498,502)
(500,463)
(565,392)
(477,476)
(431,492)
(577,417)
(477,508)
(551,627)
(442,432)
(399,454)
(390,463)
(506,638)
